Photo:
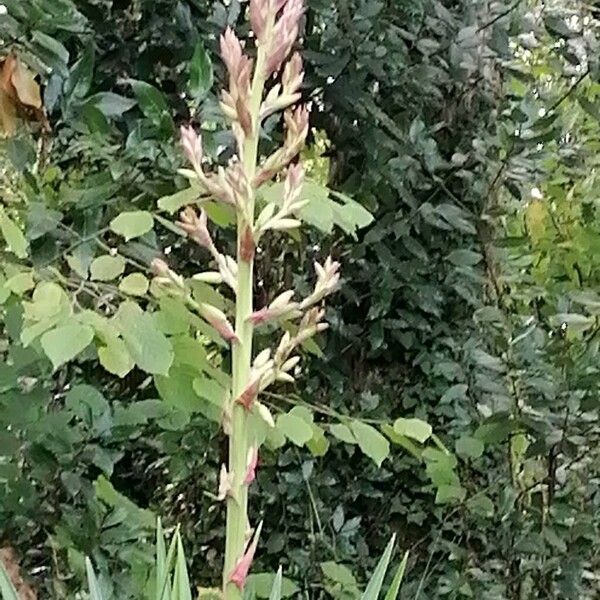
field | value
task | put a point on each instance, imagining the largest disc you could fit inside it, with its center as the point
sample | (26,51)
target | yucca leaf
(392,593)
(276,589)
(162,565)
(6,587)
(95,593)
(181,581)
(374,585)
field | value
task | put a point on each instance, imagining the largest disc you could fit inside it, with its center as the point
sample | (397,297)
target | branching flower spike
(257,87)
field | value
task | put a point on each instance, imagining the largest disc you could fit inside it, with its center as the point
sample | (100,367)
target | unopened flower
(218,320)
(328,277)
(264,413)
(282,306)
(192,146)
(262,358)
(211,277)
(240,572)
(196,226)
(284,34)
(292,76)
(166,276)
(225,484)
(252,463)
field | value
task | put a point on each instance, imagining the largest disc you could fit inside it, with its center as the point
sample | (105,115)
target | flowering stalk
(246,102)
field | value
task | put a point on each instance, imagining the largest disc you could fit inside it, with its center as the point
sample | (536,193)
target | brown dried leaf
(8,115)
(9,560)
(7,69)
(27,89)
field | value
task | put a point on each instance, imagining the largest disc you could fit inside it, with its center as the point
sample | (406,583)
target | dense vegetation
(454,400)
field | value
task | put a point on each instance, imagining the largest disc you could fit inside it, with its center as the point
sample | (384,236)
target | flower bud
(262,358)
(242,567)
(196,226)
(285,224)
(219,321)
(225,484)
(289,364)
(210,277)
(264,413)
(252,463)
(192,146)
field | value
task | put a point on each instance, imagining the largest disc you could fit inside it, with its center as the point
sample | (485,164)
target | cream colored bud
(289,364)
(211,277)
(262,358)
(285,377)
(264,413)
(285,224)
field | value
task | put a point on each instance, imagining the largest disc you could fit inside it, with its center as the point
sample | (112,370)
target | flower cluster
(257,87)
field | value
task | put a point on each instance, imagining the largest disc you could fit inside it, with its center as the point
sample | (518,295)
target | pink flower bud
(219,321)
(258,13)
(292,76)
(192,145)
(160,268)
(252,464)
(196,227)
(285,34)
(231,52)
(293,183)
(240,572)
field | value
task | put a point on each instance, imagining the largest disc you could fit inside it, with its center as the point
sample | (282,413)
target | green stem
(239,442)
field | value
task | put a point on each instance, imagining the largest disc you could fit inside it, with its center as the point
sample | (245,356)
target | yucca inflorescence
(258,87)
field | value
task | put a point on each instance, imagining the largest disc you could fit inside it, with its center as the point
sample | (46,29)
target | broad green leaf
(263,585)
(370,441)
(179,199)
(115,357)
(80,78)
(413,428)
(376,581)
(318,444)
(342,433)
(152,103)
(574,322)
(20,283)
(294,428)
(464,258)
(86,402)
(13,236)
(148,346)
(107,493)
(135,284)
(132,224)
(107,267)
(339,573)
(201,72)
(64,343)
(469,447)
(110,104)
(450,494)
(481,505)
